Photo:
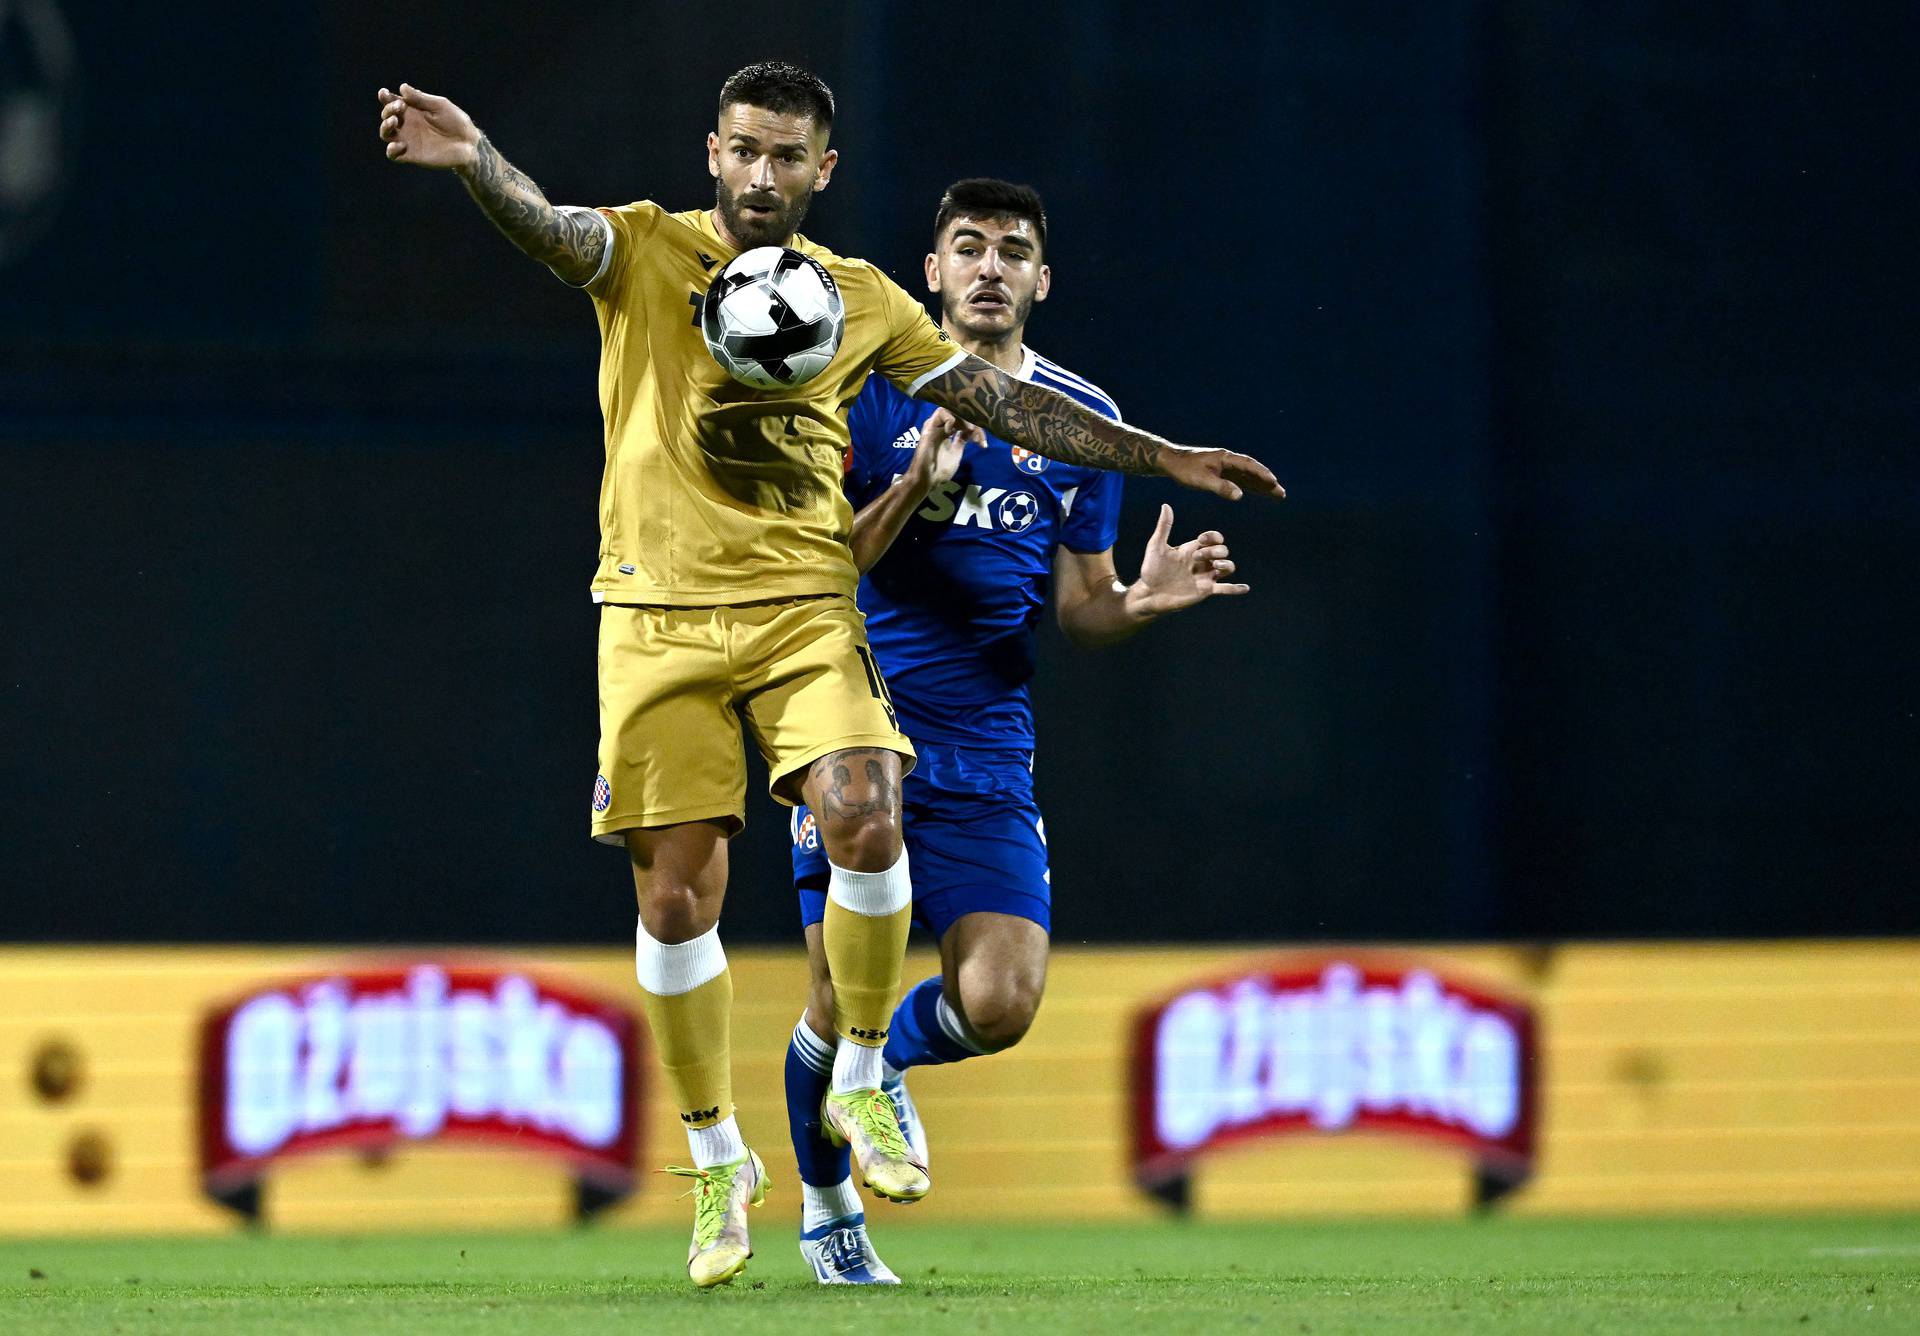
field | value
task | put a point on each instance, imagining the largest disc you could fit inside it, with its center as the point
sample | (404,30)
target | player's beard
(751,232)
(954,311)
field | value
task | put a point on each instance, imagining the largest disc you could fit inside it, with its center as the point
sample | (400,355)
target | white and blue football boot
(908,1116)
(840,1253)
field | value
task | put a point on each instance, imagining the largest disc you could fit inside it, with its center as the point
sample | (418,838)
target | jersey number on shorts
(877,684)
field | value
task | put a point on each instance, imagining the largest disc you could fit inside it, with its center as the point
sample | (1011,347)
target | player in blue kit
(974,533)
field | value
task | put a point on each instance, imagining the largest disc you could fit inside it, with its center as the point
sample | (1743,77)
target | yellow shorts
(676,684)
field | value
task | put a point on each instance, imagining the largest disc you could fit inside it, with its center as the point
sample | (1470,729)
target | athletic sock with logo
(928,1030)
(809,1074)
(865,935)
(687,992)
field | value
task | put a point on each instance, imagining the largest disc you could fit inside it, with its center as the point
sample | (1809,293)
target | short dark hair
(779,87)
(988,197)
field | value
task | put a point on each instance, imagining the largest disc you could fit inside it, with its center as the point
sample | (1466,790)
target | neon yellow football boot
(864,1121)
(721,1196)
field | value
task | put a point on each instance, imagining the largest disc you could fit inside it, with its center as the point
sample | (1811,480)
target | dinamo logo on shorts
(806,832)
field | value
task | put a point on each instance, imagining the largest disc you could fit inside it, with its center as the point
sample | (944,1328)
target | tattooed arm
(429,131)
(570,241)
(1053,424)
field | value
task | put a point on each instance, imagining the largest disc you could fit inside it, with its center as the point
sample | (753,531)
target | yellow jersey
(714,492)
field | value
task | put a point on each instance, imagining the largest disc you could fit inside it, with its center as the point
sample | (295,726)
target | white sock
(816,1052)
(855,1067)
(670,970)
(719,1144)
(889,1074)
(823,1205)
(875,894)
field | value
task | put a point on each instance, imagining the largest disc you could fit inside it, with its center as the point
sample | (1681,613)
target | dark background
(1581,334)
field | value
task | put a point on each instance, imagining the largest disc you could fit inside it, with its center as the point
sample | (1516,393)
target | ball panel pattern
(773,318)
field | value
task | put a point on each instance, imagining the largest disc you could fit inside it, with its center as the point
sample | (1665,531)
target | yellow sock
(690,1034)
(865,935)
(864,953)
(686,990)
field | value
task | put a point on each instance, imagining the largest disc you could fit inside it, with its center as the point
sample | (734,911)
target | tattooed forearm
(1044,421)
(571,242)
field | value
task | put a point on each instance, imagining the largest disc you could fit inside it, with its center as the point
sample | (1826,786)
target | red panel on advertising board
(1331,1045)
(419,1051)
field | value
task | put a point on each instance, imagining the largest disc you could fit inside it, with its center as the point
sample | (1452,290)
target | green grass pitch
(1854,1274)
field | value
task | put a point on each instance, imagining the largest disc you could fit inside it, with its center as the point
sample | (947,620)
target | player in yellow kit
(727,591)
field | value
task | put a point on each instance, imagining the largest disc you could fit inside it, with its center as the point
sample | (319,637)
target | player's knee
(1000,1013)
(864,841)
(673,913)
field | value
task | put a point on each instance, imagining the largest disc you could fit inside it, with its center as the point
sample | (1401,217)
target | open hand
(943,441)
(1222,472)
(1174,577)
(425,130)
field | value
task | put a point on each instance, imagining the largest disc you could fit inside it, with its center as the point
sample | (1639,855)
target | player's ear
(713,155)
(827,160)
(1045,284)
(933,272)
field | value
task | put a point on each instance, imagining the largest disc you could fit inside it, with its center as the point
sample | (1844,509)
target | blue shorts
(975,840)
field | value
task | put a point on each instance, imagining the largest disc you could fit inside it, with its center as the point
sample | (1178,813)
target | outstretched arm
(1055,425)
(428,131)
(1095,609)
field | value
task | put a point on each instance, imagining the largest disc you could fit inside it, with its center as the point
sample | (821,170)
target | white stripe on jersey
(1052,370)
(1062,384)
(1048,366)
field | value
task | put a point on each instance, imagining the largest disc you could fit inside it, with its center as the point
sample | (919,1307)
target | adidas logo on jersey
(908,439)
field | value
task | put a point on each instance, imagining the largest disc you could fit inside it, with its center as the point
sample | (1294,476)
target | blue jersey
(952,606)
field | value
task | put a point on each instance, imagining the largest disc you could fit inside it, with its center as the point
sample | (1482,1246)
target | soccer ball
(773,318)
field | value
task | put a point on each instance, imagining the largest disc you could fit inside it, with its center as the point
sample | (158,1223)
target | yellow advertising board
(1695,1077)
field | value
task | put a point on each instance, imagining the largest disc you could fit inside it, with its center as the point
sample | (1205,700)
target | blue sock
(809,1074)
(920,1035)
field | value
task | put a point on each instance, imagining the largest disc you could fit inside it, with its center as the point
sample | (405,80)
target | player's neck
(1004,353)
